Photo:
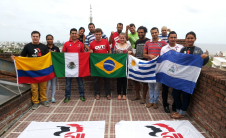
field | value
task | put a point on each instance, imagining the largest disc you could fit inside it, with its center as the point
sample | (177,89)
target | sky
(18,18)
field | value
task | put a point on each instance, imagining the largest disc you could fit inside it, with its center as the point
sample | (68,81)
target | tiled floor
(112,111)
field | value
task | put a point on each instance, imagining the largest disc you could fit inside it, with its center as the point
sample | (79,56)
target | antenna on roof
(91,18)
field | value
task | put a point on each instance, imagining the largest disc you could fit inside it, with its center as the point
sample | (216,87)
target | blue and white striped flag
(141,70)
(178,70)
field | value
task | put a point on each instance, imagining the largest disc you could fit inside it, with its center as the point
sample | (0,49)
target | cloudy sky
(18,18)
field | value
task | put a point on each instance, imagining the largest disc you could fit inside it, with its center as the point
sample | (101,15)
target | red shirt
(115,39)
(154,48)
(76,47)
(101,46)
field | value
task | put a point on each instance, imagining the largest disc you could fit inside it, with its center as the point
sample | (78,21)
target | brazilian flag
(108,65)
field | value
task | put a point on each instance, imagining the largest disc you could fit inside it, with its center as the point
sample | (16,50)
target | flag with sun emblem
(141,70)
(108,65)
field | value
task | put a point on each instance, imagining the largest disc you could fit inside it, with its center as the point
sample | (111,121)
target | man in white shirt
(172,37)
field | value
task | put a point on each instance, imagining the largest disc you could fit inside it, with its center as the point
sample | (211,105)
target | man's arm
(110,38)
(145,55)
(127,28)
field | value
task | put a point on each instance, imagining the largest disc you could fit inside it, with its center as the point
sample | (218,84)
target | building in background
(219,62)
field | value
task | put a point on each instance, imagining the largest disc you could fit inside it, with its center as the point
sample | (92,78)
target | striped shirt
(154,48)
(165,38)
(90,37)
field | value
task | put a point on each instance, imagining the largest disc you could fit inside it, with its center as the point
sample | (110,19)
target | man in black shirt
(36,49)
(139,46)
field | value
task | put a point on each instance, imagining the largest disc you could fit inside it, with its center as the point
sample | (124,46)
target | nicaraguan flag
(141,70)
(178,70)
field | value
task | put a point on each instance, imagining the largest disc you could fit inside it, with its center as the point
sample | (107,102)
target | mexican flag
(108,65)
(71,64)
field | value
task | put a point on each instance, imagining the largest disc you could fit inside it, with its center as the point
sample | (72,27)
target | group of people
(97,42)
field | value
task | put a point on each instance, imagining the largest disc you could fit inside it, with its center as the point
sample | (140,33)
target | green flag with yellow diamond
(108,65)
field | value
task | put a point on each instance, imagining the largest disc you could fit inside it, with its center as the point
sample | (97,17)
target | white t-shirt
(167,47)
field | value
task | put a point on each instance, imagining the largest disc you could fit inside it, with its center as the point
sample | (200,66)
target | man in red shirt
(151,50)
(114,38)
(100,45)
(73,46)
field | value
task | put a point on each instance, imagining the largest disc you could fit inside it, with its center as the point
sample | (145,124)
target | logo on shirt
(116,39)
(70,45)
(78,45)
(71,65)
(37,53)
(172,69)
(100,47)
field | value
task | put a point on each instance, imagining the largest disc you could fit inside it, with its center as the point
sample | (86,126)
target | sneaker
(135,98)
(82,98)
(155,105)
(35,106)
(67,99)
(47,100)
(45,104)
(53,100)
(149,105)
(143,101)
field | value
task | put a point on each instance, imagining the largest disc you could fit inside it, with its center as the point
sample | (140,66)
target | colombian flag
(34,70)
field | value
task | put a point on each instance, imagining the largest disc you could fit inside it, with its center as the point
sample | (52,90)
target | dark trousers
(121,82)
(165,90)
(186,99)
(106,86)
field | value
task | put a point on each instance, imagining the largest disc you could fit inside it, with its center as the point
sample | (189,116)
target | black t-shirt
(32,50)
(188,50)
(139,46)
(54,49)
(80,38)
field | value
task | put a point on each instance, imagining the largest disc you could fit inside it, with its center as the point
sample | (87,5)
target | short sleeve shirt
(32,50)
(133,38)
(90,37)
(118,49)
(166,48)
(72,47)
(101,46)
(54,49)
(115,39)
(154,48)
(165,38)
(139,46)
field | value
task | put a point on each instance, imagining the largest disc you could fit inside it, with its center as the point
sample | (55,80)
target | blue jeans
(68,86)
(154,91)
(112,50)
(51,83)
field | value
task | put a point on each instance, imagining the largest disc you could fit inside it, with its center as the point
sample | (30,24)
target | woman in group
(81,36)
(189,49)
(122,47)
(52,82)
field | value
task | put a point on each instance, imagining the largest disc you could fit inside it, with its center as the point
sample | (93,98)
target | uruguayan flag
(178,70)
(141,70)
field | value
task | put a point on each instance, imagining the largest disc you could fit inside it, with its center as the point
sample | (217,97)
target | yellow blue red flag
(35,69)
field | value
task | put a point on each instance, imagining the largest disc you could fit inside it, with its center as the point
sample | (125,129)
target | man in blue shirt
(164,35)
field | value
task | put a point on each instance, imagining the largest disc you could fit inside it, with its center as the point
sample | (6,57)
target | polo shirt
(115,39)
(101,46)
(165,38)
(154,48)
(76,47)
(90,37)
(166,48)
(133,38)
